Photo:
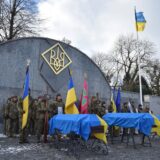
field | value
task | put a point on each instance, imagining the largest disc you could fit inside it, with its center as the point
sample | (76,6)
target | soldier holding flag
(23,106)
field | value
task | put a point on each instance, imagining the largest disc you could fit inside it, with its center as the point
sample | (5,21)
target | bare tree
(122,62)
(125,54)
(153,72)
(102,61)
(18,18)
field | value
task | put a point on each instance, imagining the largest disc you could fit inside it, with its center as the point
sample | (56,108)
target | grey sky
(94,25)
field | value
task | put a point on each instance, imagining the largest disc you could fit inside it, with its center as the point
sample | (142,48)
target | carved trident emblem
(56,58)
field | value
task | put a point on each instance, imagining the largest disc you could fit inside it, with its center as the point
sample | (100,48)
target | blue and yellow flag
(102,136)
(118,100)
(140,21)
(113,103)
(156,129)
(25,99)
(70,107)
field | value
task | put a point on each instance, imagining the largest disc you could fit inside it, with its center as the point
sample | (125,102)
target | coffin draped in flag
(70,107)
(25,99)
(140,121)
(80,124)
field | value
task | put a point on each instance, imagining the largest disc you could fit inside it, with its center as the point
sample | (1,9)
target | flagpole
(139,63)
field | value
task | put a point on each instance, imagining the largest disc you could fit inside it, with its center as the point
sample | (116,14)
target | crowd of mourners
(38,107)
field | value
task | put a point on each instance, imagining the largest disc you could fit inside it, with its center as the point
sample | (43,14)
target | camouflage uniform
(91,108)
(23,133)
(97,107)
(59,104)
(12,112)
(146,110)
(53,107)
(110,108)
(6,115)
(40,116)
(125,108)
(32,111)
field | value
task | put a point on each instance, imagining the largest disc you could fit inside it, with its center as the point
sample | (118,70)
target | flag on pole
(114,94)
(113,104)
(70,107)
(25,99)
(118,100)
(84,99)
(140,21)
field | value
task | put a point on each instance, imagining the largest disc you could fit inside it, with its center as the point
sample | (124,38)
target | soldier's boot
(38,136)
(21,140)
(26,135)
(21,136)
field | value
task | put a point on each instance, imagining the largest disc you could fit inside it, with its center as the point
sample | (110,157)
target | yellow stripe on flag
(25,109)
(113,105)
(140,26)
(114,109)
(157,123)
(102,136)
(70,107)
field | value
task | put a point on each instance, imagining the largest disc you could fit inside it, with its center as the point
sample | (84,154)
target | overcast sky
(94,25)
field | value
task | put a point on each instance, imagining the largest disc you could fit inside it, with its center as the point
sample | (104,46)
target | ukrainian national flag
(25,99)
(113,104)
(102,136)
(118,100)
(140,21)
(157,124)
(70,107)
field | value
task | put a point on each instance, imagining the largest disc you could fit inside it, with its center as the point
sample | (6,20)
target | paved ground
(10,149)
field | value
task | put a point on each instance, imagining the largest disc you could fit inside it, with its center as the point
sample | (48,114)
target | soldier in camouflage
(91,108)
(6,117)
(23,133)
(32,111)
(125,108)
(97,107)
(56,106)
(60,106)
(40,115)
(12,113)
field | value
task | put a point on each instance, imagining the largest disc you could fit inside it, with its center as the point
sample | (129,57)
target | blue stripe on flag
(140,17)
(70,83)
(26,86)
